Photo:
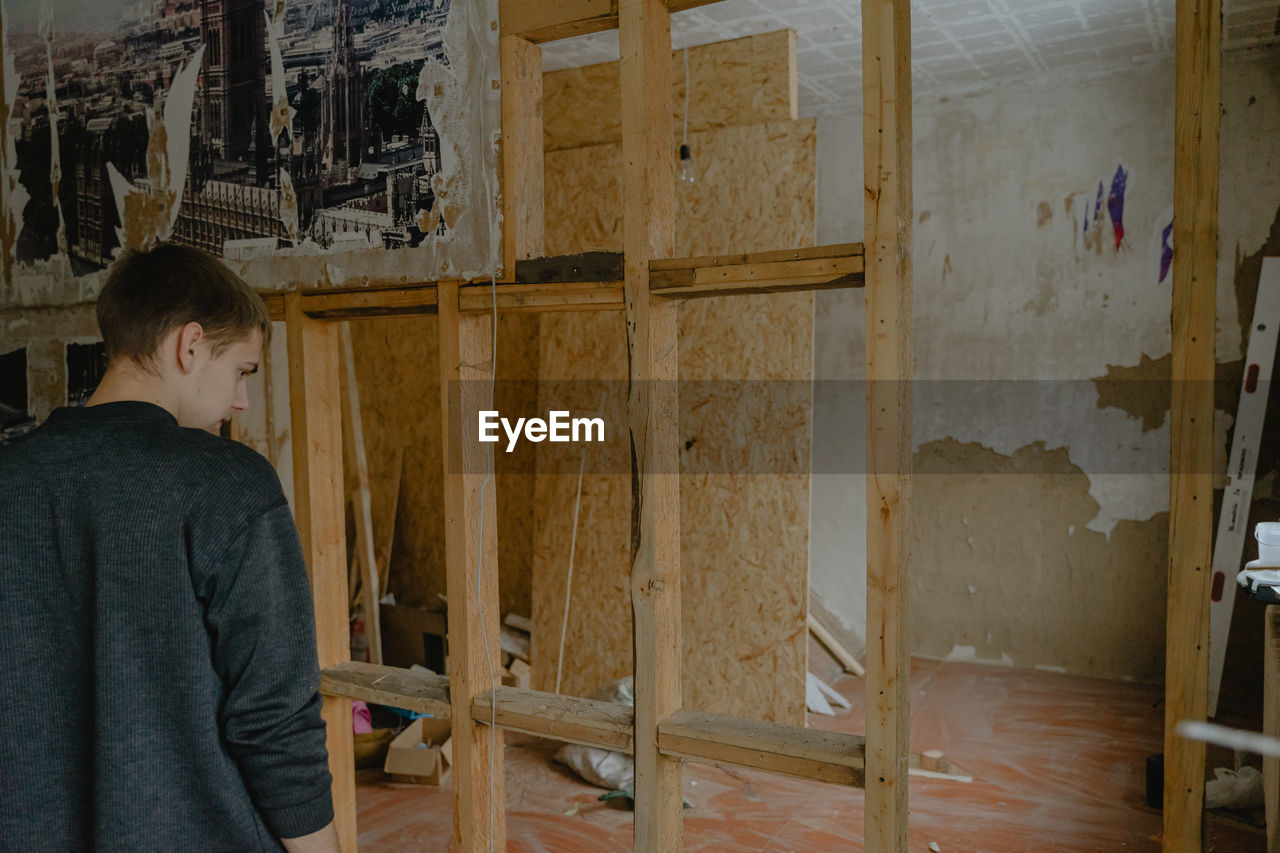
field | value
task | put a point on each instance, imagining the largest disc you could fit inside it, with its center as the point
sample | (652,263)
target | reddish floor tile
(1057,763)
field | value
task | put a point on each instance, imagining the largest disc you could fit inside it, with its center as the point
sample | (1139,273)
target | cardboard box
(421,753)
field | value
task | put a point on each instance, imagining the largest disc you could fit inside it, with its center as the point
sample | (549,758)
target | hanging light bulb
(686,155)
(686,164)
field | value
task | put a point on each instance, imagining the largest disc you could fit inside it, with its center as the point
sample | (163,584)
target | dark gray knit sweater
(158,671)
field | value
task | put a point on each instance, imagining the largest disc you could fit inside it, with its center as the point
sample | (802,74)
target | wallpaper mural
(250,128)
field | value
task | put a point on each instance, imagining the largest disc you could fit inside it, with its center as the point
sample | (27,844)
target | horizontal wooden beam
(764,285)
(823,756)
(831,757)
(833,251)
(762,272)
(551,296)
(550,20)
(584,266)
(388,685)
(820,268)
(410,300)
(568,718)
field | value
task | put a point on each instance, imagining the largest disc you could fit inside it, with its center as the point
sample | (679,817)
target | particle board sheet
(395,360)
(744,535)
(743,81)
(400,402)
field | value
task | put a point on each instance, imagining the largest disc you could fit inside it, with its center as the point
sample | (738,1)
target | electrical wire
(495,738)
(568,585)
(684,139)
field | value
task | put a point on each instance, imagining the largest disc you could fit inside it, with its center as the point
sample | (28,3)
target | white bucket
(1268,535)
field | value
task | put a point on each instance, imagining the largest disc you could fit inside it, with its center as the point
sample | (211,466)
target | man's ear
(188,337)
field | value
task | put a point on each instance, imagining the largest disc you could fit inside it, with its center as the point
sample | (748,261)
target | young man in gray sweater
(158,670)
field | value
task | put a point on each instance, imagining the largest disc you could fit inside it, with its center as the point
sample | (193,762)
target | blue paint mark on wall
(1115,203)
(1166,251)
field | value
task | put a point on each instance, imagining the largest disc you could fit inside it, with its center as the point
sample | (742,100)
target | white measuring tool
(1233,520)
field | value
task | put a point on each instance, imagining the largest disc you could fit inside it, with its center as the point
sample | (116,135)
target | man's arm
(261,622)
(321,841)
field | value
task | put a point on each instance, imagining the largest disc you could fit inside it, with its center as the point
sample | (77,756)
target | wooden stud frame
(1197,117)
(659,733)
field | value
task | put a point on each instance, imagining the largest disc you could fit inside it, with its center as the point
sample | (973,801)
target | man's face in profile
(216,386)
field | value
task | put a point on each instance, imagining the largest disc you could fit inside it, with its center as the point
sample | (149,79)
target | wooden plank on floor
(319,510)
(1197,105)
(886,127)
(823,756)
(648,192)
(471,573)
(606,725)
(423,692)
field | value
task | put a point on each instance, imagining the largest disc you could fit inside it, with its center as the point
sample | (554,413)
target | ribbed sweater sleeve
(259,616)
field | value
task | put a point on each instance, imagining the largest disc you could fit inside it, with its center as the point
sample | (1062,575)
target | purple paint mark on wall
(1166,252)
(1115,203)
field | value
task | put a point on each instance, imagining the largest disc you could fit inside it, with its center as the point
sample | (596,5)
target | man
(158,670)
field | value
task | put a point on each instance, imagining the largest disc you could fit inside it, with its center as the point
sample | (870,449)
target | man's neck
(120,384)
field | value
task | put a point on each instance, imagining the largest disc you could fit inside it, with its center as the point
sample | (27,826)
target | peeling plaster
(282,115)
(464,97)
(1032,588)
(149,213)
(15,196)
(51,95)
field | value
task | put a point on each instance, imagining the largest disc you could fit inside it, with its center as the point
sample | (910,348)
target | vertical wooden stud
(523,224)
(1271,724)
(319,509)
(648,195)
(1198,43)
(886,123)
(362,501)
(471,570)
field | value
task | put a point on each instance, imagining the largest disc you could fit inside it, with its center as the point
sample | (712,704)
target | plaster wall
(1041,490)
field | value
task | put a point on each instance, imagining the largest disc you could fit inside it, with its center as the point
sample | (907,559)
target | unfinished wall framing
(661,733)
(744,400)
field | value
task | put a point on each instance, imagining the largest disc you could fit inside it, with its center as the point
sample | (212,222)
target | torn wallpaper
(306,142)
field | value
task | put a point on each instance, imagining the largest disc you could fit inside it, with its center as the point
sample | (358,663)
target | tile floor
(1057,763)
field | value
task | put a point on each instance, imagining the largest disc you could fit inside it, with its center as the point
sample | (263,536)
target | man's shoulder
(232,469)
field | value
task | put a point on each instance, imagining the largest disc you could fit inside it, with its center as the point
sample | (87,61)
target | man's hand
(321,841)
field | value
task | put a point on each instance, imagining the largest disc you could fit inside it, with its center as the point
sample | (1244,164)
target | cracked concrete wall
(1040,266)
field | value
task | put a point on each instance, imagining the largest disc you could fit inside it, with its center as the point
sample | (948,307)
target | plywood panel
(737,82)
(744,537)
(396,368)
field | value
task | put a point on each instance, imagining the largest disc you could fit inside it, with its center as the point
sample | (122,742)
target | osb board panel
(746,80)
(744,538)
(396,368)
(399,383)
(743,196)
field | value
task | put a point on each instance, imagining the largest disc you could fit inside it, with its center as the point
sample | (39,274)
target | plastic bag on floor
(1234,789)
(612,770)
